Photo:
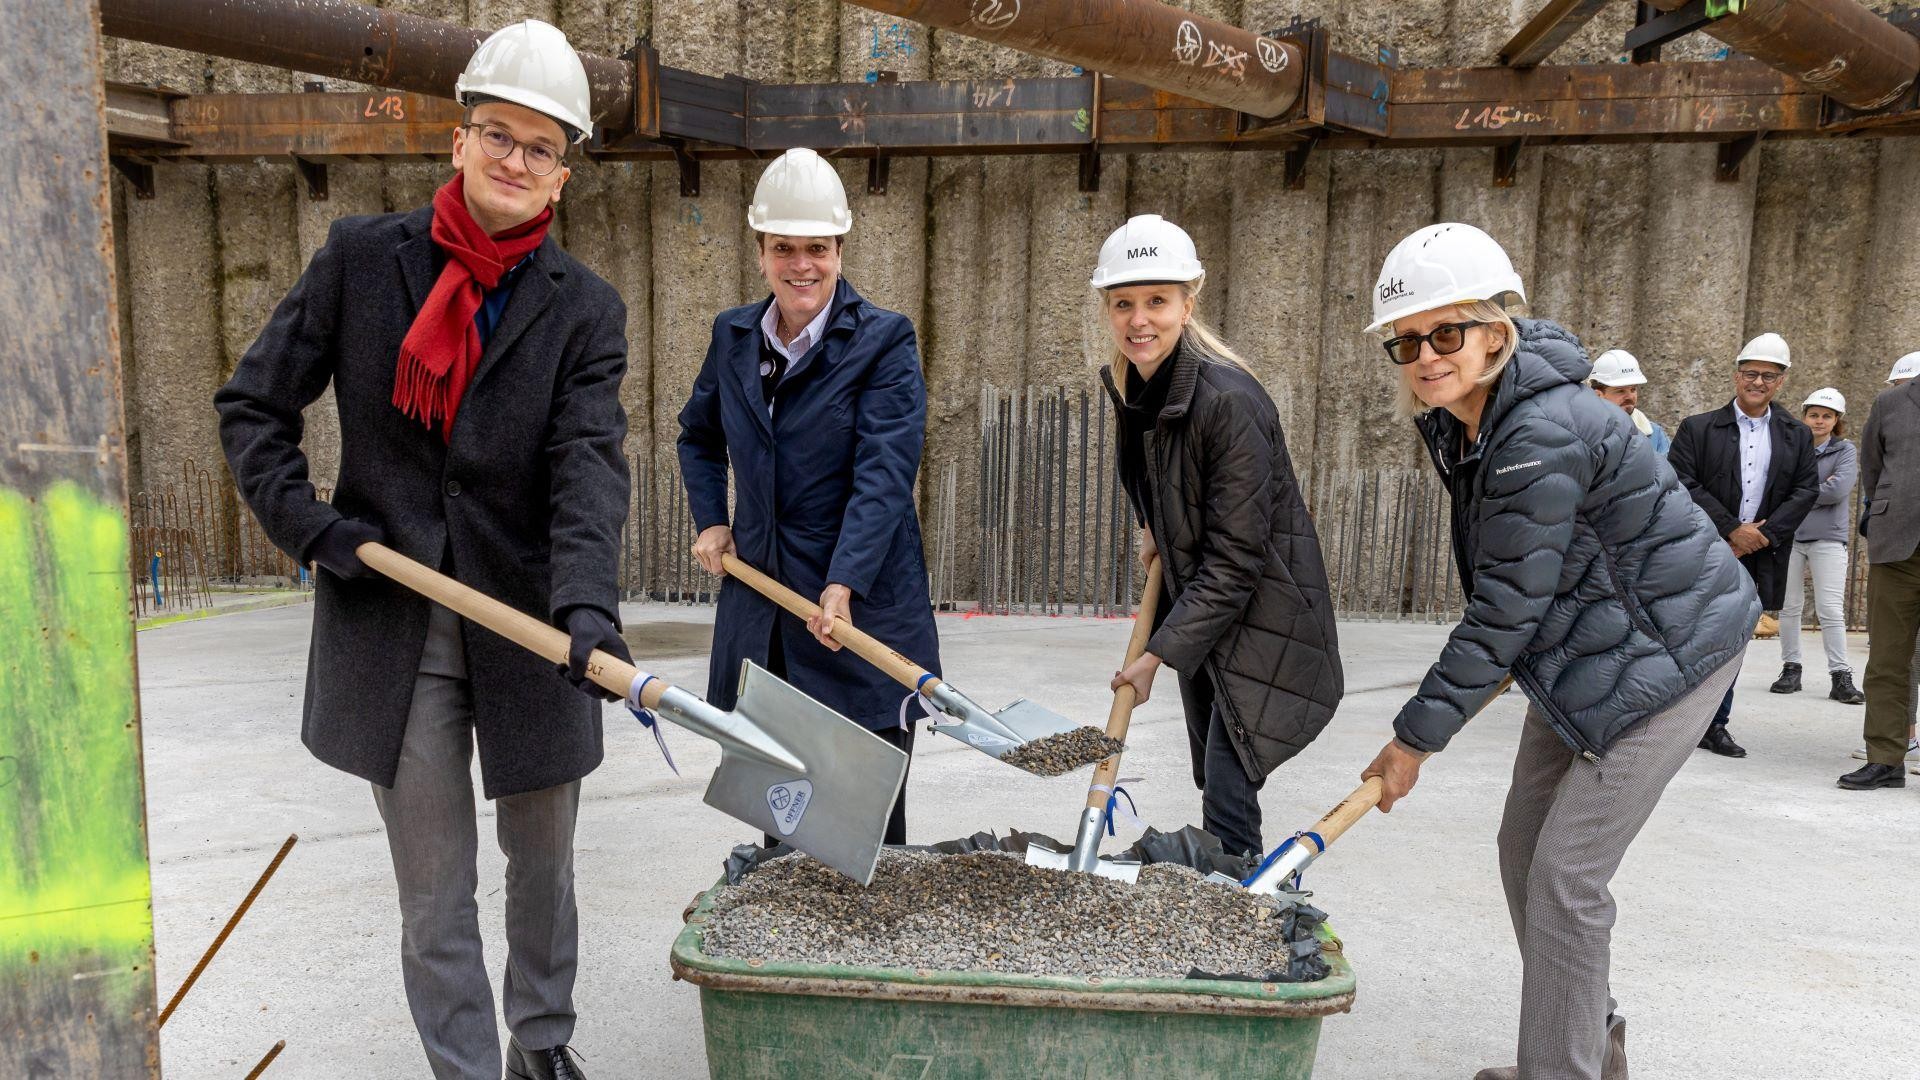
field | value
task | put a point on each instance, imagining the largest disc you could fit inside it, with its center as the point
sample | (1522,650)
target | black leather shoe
(1789,680)
(1870,776)
(553,1063)
(1844,691)
(1718,741)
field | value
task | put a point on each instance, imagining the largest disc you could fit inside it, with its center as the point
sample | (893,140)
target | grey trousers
(1567,825)
(433,836)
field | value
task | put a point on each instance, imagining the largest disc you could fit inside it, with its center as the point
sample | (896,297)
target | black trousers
(900,737)
(1229,801)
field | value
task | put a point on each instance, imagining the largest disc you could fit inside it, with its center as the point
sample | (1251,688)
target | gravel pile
(1057,755)
(990,911)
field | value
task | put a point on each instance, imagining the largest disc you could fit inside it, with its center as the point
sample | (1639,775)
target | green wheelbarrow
(772,1021)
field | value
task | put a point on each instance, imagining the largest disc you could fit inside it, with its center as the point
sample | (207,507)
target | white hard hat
(1440,265)
(1771,348)
(530,63)
(800,195)
(1617,367)
(1827,398)
(1906,367)
(1147,248)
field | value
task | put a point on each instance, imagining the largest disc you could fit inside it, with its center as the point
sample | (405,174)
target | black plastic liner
(1189,846)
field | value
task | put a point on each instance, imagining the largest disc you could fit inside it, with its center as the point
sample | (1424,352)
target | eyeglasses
(1765,378)
(541,159)
(1446,340)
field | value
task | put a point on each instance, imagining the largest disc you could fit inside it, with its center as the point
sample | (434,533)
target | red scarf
(442,348)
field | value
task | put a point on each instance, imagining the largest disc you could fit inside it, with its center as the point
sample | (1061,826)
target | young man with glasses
(477,371)
(1750,466)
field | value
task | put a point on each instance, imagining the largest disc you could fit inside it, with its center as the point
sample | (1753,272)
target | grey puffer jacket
(1838,463)
(1590,574)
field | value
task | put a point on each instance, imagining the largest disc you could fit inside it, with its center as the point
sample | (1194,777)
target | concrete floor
(1766,924)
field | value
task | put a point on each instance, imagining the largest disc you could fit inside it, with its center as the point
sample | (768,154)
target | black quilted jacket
(1246,591)
(1589,572)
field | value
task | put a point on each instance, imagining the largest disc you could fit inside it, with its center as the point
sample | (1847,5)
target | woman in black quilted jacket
(1592,580)
(1247,622)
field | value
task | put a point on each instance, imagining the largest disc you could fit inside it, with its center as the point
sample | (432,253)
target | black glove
(337,548)
(591,629)
(1866,508)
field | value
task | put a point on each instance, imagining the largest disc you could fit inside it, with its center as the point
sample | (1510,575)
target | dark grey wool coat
(1589,573)
(1246,590)
(525,504)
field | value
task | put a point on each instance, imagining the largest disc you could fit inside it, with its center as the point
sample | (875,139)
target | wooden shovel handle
(1120,713)
(511,623)
(1367,796)
(864,645)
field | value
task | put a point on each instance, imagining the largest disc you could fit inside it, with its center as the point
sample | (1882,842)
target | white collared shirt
(1756,457)
(770,326)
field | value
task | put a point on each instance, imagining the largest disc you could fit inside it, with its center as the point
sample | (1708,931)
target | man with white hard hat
(1618,378)
(477,371)
(1750,466)
(813,400)
(1890,480)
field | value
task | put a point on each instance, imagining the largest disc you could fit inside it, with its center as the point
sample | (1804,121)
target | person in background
(477,370)
(1247,621)
(1820,546)
(1750,466)
(1618,378)
(1592,580)
(812,400)
(1890,476)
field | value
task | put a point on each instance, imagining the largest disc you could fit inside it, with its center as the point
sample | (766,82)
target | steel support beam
(344,40)
(1837,47)
(1547,31)
(1142,41)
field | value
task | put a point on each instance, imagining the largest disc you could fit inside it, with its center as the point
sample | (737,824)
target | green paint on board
(73,864)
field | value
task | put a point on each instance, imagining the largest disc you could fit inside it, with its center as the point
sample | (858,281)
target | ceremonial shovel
(994,734)
(789,766)
(1085,856)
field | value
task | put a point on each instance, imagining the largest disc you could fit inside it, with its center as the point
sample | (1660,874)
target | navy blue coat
(823,493)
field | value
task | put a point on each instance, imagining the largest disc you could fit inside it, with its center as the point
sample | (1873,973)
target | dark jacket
(823,493)
(1890,474)
(1838,465)
(1589,573)
(1246,591)
(525,503)
(1706,455)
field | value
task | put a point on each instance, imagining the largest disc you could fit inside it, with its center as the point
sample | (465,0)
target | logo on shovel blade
(789,803)
(981,738)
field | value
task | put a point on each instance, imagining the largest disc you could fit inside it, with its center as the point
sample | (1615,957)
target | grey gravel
(1056,755)
(990,911)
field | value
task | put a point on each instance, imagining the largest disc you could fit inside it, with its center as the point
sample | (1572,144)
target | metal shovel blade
(994,734)
(1124,870)
(830,789)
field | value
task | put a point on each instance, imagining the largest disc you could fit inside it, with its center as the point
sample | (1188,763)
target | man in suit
(1750,466)
(1890,477)
(477,370)
(813,401)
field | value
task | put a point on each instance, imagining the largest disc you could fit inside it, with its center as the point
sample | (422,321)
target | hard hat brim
(1417,306)
(1625,380)
(528,99)
(800,228)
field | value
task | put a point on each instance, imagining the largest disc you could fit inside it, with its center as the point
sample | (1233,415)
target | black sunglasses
(1446,340)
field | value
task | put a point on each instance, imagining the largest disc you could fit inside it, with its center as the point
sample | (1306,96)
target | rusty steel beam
(1501,107)
(343,40)
(1837,47)
(1141,41)
(1548,30)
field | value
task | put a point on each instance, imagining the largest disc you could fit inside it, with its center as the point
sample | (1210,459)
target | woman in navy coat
(814,400)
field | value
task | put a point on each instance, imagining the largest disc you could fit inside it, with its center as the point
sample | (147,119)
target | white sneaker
(1913,755)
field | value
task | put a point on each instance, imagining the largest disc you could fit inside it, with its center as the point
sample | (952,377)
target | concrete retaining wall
(1630,246)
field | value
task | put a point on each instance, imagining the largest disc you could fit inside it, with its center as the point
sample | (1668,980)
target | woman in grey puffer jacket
(1593,580)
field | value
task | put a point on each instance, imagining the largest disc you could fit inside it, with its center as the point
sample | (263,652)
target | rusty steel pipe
(343,40)
(1138,40)
(1837,47)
